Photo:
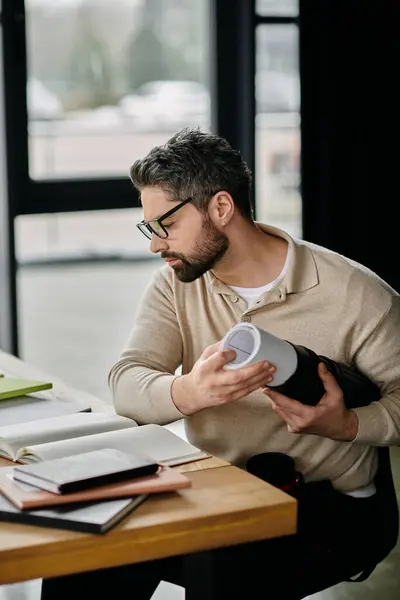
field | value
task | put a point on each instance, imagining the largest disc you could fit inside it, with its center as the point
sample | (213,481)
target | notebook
(82,471)
(10,387)
(68,435)
(93,517)
(24,496)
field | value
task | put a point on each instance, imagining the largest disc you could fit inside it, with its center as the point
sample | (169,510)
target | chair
(390,518)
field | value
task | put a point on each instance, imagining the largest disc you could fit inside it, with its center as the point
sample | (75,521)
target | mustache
(172,255)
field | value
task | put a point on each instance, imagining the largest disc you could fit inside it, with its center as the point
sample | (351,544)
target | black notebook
(95,517)
(86,470)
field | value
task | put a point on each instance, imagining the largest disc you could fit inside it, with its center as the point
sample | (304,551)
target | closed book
(10,387)
(94,517)
(82,471)
(25,496)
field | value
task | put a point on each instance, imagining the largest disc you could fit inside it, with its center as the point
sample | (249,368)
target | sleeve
(379,356)
(141,379)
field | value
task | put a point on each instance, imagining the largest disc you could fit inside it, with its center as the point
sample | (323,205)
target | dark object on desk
(96,517)
(83,471)
(276,468)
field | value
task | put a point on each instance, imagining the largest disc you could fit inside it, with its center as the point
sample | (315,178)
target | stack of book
(87,471)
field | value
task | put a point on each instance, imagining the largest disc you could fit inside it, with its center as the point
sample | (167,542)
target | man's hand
(330,418)
(209,384)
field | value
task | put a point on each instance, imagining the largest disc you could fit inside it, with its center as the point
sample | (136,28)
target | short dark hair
(195,164)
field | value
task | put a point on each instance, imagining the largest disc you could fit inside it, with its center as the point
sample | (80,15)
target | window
(75,318)
(109,80)
(277,133)
(106,82)
(277,7)
(93,108)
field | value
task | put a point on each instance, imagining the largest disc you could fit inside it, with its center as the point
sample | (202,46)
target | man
(222,268)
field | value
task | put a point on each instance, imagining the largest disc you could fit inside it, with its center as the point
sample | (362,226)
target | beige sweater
(326,302)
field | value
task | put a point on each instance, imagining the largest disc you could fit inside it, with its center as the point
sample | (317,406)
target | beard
(211,246)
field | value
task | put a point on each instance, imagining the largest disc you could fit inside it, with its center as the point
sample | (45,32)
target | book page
(151,441)
(14,437)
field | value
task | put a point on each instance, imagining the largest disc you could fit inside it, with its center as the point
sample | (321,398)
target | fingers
(210,350)
(299,417)
(286,404)
(330,383)
(249,385)
(216,361)
(226,385)
(246,375)
(293,423)
(333,392)
(238,383)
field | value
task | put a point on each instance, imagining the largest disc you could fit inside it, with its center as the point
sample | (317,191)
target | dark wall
(350,66)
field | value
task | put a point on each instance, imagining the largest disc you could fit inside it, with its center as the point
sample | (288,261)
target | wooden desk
(225,506)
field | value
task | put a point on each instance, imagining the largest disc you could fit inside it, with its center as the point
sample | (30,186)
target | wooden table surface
(224,506)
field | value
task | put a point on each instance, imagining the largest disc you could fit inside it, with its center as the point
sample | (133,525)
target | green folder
(11,387)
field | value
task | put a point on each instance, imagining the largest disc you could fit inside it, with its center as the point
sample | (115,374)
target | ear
(221,209)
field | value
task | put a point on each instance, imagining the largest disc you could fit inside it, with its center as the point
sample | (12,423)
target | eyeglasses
(155,225)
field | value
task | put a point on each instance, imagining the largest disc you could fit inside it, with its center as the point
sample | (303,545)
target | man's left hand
(329,418)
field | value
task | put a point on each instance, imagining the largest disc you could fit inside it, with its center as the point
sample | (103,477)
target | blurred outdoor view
(107,80)
(111,78)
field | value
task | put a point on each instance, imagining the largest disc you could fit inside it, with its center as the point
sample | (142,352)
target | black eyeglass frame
(146,228)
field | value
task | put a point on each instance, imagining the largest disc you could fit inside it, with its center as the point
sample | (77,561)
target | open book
(57,437)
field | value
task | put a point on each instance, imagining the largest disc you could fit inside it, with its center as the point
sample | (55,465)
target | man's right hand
(209,384)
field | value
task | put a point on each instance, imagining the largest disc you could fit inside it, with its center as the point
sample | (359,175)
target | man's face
(194,244)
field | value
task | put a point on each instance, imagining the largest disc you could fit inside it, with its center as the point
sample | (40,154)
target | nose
(157,244)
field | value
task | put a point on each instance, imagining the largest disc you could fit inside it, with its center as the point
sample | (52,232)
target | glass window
(62,237)
(75,315)
(277,8)
(75,319)
(106,82)
(109,80)
(278,199)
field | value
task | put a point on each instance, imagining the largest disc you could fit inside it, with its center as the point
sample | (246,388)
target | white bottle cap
(253,345)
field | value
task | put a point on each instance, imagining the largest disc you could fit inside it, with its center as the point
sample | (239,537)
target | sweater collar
(301,273)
